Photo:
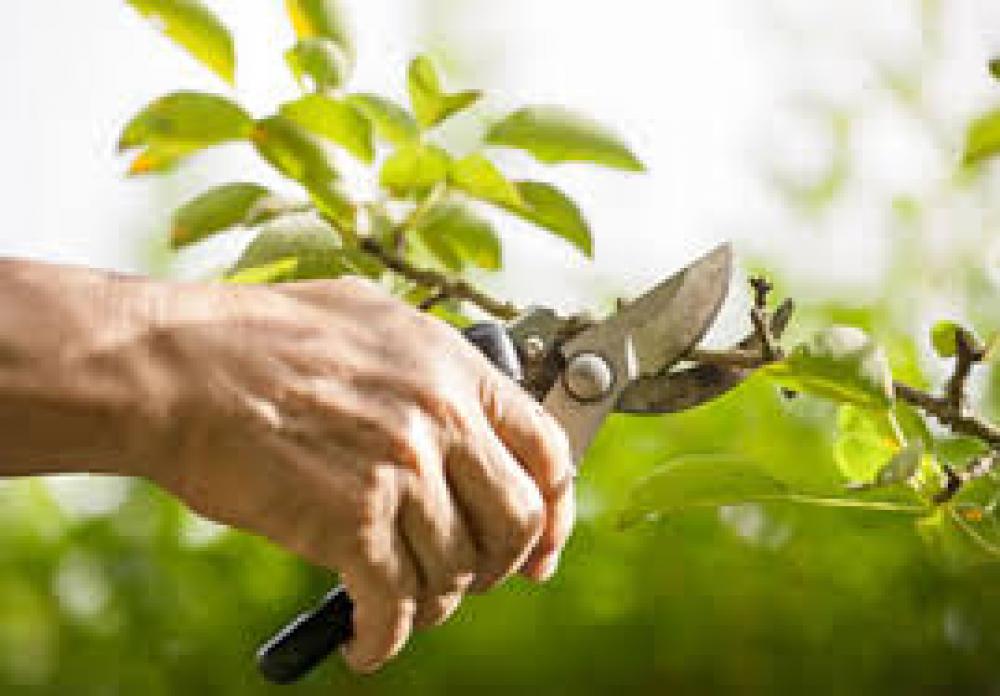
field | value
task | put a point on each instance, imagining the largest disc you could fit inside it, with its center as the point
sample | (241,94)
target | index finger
(539,444)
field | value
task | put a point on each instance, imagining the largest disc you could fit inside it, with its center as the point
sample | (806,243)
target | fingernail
(359,664)
(547,567)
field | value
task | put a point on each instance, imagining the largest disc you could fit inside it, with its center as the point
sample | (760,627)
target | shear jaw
(588,390)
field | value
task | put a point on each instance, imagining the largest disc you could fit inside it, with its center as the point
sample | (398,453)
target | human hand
(366,437)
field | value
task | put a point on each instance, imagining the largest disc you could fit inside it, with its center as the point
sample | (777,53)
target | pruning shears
(581,371)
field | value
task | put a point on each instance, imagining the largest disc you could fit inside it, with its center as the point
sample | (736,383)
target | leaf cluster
(432,204)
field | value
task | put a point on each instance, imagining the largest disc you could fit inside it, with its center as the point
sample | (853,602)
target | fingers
(382,582)
(538,442)
(502,506)
(442,548)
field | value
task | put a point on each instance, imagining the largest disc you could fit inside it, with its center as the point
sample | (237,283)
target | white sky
(703,90)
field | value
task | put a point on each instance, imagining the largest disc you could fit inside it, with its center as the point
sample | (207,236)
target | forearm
(76,369)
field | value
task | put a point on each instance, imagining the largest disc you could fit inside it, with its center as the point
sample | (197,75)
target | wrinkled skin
(327,416)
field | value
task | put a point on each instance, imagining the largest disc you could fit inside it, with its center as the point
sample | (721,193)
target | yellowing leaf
(335,120)
(322,19)
(480,178)
(414,169)
(840,363)
(430,103)
(180,124)
(324,61)
(217,209)
(191,25)
(391,122)
(554,135)
(158,158)
(549,208)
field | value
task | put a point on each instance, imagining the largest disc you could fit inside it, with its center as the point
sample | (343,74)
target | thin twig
(769,347)
(433,301)
(979,468)
(454,288)
(944,411)
(967,354)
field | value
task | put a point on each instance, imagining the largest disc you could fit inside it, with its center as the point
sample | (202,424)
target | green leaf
(191,25)
(551,209)
(901,467)
(959,451)
(554,135)
(414,169)
(335,206)
(982,139)
(708,481)
(944,338)
(430,103)
(294,152)
(995,68)
(320,19)
(991,348)
(391,122)
(457,238)
(159,158)
(215,210)
(480,178)
(274,272)
(697,481)
(316,247)
(961,540)
(864,443)
(323,61)
(334,120)
(840,363)
(180,124)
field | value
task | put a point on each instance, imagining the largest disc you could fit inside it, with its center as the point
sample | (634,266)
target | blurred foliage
(111,587)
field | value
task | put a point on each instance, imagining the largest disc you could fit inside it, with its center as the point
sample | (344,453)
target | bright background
(822,137)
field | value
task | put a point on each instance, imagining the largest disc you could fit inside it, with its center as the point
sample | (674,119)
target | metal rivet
(589,377)
(533,347)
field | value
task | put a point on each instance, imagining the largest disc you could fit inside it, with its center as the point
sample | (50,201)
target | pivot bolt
(589,377)
(533,347)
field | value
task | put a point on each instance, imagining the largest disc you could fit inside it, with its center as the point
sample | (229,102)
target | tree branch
(950,409)
(448,288)
(945,412)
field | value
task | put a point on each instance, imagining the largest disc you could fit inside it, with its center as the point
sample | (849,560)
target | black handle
(310,637)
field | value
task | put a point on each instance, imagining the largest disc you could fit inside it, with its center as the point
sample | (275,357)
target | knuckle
(523,528)
(415,445)
(356,284)
(372,505)
(531,516)
(453,582)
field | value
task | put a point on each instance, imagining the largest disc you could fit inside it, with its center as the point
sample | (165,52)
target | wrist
(75,370)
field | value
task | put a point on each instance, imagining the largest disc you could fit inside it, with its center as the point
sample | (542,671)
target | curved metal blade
(673,391)
(644,337)
(667,321)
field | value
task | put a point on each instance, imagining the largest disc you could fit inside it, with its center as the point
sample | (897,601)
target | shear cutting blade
(643,338)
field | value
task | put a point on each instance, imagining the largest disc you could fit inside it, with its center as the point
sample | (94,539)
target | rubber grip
(312,636)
